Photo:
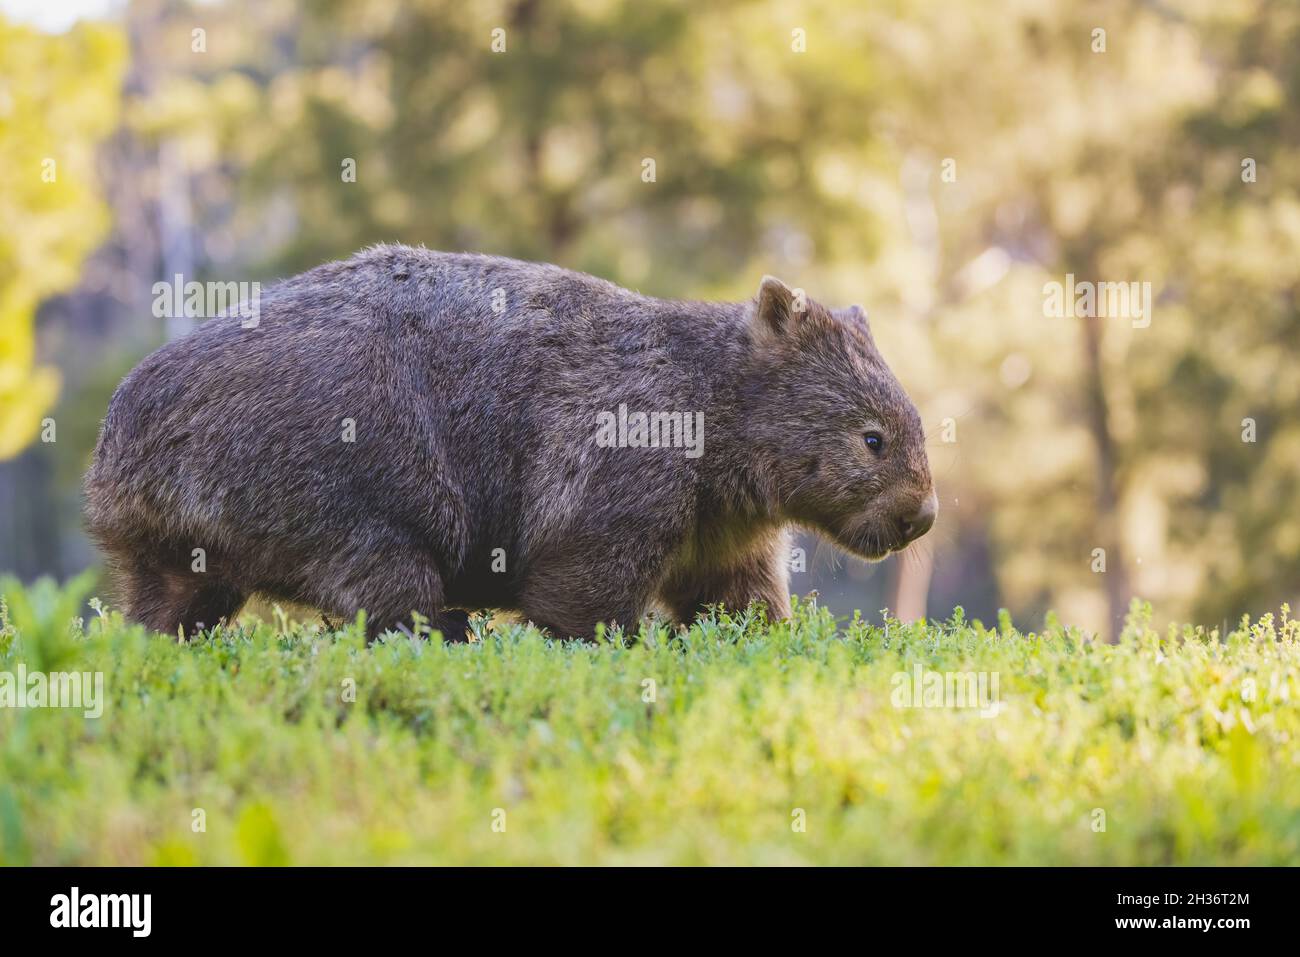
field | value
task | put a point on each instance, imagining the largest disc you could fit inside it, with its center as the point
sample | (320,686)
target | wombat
(416,431)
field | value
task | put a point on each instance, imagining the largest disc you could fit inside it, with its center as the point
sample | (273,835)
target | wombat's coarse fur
(415,431)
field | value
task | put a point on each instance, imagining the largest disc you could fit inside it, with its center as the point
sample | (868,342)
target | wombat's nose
(919,524)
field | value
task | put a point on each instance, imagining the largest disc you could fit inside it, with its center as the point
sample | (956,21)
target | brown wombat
(415,431)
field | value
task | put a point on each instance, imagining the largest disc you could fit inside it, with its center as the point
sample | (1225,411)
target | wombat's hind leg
(166,600)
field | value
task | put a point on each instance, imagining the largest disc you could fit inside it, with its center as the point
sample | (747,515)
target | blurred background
(938,163)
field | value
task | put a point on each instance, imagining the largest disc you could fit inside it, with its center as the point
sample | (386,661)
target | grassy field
(278,743)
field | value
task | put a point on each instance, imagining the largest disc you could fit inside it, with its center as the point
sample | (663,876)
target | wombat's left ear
(778,305)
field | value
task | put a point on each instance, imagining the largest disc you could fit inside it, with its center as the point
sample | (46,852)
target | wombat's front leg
(762,576)
(575,613)
(570,594)
(391,586)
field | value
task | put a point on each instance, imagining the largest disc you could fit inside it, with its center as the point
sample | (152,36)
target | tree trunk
(1107,522)
(912,583)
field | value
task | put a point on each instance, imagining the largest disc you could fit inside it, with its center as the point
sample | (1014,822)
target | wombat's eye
(875,441)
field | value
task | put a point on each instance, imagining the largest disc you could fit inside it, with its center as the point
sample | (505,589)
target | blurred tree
(58,98)
(1123,158)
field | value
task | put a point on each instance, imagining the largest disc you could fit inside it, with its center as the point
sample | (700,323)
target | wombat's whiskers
(823,547)
(918,553)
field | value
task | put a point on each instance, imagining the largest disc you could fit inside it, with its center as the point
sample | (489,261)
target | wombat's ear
(859,316)
(856,317)
(777,305)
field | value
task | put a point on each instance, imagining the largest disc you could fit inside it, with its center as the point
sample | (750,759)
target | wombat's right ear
(858,315)
(778,305)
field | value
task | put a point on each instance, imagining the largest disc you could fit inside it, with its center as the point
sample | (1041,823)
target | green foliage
(1189,742)
(40,614)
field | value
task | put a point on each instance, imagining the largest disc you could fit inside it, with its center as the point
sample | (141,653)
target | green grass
(751,724)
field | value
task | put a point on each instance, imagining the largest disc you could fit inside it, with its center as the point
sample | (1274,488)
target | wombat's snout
(922,520)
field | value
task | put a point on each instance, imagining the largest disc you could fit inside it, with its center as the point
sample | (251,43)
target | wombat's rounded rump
(414,431)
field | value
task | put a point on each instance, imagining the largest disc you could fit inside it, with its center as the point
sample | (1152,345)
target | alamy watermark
(922,688)
(1098,300)
(179,299)
(651,430)
(133,912)
(57,689)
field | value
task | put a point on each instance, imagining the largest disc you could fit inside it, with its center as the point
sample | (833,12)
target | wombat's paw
(454,625)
